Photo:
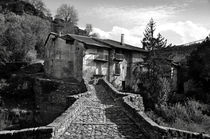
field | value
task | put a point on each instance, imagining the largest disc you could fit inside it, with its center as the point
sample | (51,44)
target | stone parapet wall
(61,123)
(74,100)
(29,133)
(52,131)
(111,89)
(135,110)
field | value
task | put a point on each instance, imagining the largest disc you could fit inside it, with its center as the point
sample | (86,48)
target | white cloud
(187,30)
(133,16)
(176,33)
(132,36)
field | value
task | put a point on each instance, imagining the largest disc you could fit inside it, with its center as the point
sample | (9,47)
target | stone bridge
(102,118)
(109,114)
(103,113)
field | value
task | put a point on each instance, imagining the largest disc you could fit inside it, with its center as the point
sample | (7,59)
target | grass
(190,115)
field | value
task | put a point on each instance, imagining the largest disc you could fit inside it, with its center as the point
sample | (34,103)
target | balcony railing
(119,57)
(101,57)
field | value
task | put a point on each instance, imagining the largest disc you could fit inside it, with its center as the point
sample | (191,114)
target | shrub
(164,91)
(188,116)
(21,34)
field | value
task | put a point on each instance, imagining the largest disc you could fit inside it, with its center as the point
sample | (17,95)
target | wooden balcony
(101,58)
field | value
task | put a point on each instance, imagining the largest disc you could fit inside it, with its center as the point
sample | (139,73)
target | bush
(188,116)
(22,34)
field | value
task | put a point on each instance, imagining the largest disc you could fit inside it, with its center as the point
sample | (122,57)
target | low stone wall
(30,133)
(61,124)
(53,130)
(135,110)
(111,89)
(52,97)
(43,89)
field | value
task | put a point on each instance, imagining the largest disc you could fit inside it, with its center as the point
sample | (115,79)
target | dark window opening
(117,68)
(70,41)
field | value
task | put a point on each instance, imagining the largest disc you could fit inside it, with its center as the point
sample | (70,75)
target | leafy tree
(151,83)
(70,17)
(3,56)
(199,66)
(40,28)
(68,13)
(160,41)
(150,42)
(40,5)
(154,85)
(89,29)
(20,34)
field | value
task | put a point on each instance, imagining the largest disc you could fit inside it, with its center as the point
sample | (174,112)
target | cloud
(188,31)
(133,16)
(131,36)
(176,33)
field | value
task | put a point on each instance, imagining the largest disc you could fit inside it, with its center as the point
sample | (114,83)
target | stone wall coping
(61,123)
(139,116)
(28,131)
(55,80)
(116,94)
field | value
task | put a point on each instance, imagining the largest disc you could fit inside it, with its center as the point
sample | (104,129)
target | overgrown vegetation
(21,34)
(164,106)
(25,24)
(190,115)
(199,71)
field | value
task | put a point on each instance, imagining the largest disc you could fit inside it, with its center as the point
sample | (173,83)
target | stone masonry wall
(51,98)
(53,130)
(61,123)
(30,133)
(75,103)
(135,110)
(63,60)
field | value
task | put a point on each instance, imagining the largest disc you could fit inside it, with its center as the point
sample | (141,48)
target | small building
(82,57)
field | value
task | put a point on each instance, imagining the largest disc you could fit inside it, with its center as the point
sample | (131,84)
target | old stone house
(82,57)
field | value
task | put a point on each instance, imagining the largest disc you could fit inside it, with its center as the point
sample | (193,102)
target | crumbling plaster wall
(93,68)
(63,60)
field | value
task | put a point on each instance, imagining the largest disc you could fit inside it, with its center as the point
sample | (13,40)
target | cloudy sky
(180,21)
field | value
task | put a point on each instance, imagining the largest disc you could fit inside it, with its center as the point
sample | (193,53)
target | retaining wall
(135,110)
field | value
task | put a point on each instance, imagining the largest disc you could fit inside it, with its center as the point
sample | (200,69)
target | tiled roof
(105,43)
(87,40)
(116,44)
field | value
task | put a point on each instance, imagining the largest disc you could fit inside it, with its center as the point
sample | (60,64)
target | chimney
(122,39)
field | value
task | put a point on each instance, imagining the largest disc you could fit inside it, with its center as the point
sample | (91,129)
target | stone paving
(102,119)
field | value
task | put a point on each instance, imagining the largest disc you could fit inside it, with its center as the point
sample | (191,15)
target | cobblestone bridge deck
(102,119)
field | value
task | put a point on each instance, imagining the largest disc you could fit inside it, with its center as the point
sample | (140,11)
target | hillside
(20,7)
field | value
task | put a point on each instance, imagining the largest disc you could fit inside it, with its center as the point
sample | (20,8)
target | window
(98,70)
(117,68)
(71,42)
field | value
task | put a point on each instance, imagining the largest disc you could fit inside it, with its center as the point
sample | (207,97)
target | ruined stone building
(82,57)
